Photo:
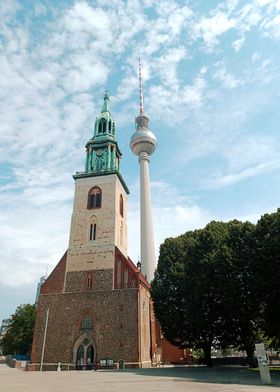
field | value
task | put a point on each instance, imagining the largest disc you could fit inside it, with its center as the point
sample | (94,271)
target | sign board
(263,363)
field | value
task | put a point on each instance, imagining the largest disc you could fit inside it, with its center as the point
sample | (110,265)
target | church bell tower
(100,210)
(95,305)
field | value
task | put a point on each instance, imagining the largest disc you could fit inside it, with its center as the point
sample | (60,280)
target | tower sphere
(143,139)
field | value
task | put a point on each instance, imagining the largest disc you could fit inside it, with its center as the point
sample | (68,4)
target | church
(95,306)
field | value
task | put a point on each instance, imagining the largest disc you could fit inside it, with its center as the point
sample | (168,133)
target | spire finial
(141,90)
(105,107)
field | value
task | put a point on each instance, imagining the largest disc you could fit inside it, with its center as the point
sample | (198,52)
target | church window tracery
(102,126)
(94,198)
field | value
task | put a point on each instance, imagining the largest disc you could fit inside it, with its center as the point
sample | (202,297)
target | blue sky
(211,83)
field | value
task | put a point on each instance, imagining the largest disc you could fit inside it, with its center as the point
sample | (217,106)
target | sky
(211,79)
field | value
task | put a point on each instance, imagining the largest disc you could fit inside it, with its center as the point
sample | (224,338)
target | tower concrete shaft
(143,143)
(148,257)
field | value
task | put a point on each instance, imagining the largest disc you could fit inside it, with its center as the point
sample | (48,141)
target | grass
(271,369)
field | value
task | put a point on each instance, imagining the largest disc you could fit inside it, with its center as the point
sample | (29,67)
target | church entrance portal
(85,355)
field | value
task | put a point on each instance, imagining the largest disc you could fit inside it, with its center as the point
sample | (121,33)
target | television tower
(143,143)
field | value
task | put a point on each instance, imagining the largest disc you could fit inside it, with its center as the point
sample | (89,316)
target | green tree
(205,288)
(268,262)
(242,302)
(18,339)
(187,289)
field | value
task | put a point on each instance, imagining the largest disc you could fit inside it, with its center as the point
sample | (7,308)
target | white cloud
(271,27)
(224,180)
(175,103)
(178,18)
(238,44)
(32,237)
(227,80)
(211,28)
(166,66)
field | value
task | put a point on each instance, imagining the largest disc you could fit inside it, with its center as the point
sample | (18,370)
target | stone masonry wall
(86,254)
(115,318)
(77,281)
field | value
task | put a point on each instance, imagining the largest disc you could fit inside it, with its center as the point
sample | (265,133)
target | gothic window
(80,356)
(121,205)
(94,198)
(102,126)
(110,126)
(90,355)
(92,234)
(87,323)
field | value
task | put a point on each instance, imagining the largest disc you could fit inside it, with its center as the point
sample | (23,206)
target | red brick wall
(114,334)
(55,281)
(126,263)
(170,353)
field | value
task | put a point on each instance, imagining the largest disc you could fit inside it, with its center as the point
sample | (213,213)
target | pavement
(167,379)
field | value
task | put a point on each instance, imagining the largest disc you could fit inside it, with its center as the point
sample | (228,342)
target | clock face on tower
(99,153)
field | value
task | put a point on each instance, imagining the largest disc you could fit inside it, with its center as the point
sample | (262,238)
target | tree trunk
(250,356)
(207,355)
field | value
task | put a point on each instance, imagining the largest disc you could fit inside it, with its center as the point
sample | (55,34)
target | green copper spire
(103,154)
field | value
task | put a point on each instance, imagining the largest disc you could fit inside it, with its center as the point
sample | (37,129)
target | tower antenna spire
(141,89)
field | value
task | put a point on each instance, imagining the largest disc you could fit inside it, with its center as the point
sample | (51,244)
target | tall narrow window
(121,233)
(126,278)
(121,205)
(89,283)
(119,274)
(92,234)
(102,126)
(94,198)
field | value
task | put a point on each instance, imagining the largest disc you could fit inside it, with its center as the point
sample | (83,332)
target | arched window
(121,205)
(102,126)
(94,198)
(90,355)
(110,126)
(92,232)
(80,357)
(87,323)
